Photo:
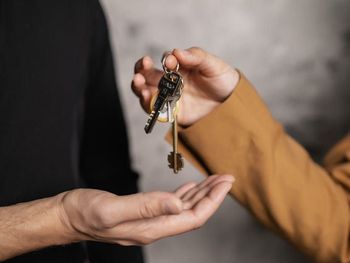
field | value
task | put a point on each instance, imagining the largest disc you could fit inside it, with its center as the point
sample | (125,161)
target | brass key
(174,158)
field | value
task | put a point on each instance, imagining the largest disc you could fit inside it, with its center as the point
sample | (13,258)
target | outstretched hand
(145,217)
(208,82)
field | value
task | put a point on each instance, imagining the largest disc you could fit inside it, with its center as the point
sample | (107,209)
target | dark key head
(170,83)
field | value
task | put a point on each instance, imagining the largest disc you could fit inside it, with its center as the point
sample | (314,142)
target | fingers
(211,202)
(192,58)
(147,77)
(171,62)
(205,182)
(145,67)
(143,64)
(184,189)
(191,193)
(198,59)
(142,90)
(188,58)
(145,81)
(150,230)
(138,84)
(194,197)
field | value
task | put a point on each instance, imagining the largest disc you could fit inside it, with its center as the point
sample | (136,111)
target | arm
(87,214)
(276,179)
(29,226)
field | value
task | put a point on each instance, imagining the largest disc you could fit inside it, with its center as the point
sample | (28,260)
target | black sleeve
(105,160)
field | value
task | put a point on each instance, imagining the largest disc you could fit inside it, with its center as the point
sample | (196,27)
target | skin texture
(208,82)
(88,214)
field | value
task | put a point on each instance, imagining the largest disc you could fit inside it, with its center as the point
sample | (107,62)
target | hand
(208,82)
(141,218)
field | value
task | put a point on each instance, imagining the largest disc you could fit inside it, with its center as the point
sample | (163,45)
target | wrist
(33,225)
(65,220)
(231,84)
(198,107)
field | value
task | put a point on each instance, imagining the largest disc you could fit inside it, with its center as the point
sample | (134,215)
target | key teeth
(147,130)
(148,127)
(180,161)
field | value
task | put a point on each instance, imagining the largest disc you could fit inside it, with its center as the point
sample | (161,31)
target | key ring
(165,56)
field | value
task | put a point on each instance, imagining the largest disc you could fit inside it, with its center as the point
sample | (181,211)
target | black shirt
(61,123)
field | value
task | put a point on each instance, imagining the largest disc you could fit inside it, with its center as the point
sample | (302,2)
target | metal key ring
(165,56)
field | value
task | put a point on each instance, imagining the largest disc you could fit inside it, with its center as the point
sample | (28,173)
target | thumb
(190,58)
(148,205)
(197,58)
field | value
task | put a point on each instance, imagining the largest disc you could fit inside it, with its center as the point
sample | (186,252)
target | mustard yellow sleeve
(275,177)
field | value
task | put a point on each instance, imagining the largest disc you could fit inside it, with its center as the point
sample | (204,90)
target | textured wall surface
(297,54)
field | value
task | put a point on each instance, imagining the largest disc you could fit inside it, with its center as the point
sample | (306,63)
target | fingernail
(146,61)
(145,93)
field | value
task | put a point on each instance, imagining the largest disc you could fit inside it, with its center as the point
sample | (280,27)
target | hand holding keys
(169,92)
(208,81)
(166,103)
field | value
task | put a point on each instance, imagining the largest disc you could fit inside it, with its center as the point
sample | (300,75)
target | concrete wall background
(296,53)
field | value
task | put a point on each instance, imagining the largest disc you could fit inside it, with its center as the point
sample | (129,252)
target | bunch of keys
(165,107)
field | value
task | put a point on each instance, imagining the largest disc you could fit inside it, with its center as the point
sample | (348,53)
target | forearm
(275,178)
(29,226)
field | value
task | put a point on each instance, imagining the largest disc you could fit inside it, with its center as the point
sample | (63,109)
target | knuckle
(150,210)
(103,217)
(152,203)
(146,209)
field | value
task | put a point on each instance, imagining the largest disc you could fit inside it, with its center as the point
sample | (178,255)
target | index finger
(170,62)
(143,64)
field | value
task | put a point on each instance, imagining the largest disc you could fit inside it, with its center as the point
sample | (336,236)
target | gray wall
(296,52)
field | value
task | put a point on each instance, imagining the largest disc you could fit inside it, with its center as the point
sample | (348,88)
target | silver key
(170,87)
(170,110)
